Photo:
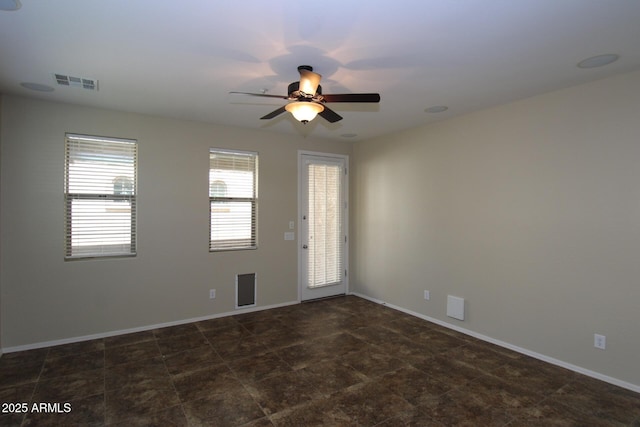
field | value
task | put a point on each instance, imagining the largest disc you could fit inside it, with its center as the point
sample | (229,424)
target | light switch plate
(289,235)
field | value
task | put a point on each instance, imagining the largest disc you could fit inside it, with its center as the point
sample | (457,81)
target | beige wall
(45,298)
(530,211)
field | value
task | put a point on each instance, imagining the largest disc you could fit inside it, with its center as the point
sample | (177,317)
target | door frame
(345,158)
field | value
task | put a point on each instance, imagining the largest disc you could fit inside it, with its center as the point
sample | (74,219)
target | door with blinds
(323,226)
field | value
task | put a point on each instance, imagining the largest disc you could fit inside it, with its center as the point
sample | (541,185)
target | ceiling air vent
(72,81)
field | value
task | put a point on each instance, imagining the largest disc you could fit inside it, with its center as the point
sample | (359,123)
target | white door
(323,225)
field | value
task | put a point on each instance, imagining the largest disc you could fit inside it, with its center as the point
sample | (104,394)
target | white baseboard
(138,329)
(535,355)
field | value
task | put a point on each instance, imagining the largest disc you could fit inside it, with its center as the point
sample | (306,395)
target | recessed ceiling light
(10,5)
(36,86)
(598,61)
(349,135)
(436,109)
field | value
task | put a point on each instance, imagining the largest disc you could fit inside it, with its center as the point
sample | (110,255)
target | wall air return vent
(73,81)
(245,290)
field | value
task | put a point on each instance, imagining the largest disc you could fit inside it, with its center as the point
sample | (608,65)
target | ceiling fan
(308,100)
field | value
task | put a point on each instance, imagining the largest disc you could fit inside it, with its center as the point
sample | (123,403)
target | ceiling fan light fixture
(307,100)
(304,111)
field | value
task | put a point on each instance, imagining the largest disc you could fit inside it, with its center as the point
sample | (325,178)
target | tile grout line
(242,383)
(228,366)
(173,384)
(35,387)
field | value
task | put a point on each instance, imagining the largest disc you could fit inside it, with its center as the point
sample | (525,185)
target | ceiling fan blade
(309,81)
(265,95)
(352,97)
(273,114)
(329,115)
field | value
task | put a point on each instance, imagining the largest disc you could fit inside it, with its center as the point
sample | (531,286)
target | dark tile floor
(338,362)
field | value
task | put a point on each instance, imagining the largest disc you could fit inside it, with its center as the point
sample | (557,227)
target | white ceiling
(181,58)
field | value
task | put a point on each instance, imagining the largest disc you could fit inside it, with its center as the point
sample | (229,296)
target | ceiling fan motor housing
(294,91)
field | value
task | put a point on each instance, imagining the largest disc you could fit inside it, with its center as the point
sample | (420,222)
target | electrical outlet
(427,295)
(212,294)
(599,341)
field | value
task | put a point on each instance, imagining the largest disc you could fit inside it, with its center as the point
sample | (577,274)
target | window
(100,196)
(233,200)
(325,223)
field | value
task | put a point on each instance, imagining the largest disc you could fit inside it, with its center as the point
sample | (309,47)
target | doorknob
(305,247)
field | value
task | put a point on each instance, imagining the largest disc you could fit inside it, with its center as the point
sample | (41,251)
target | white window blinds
(326,238)
(233,199)
(100,196)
